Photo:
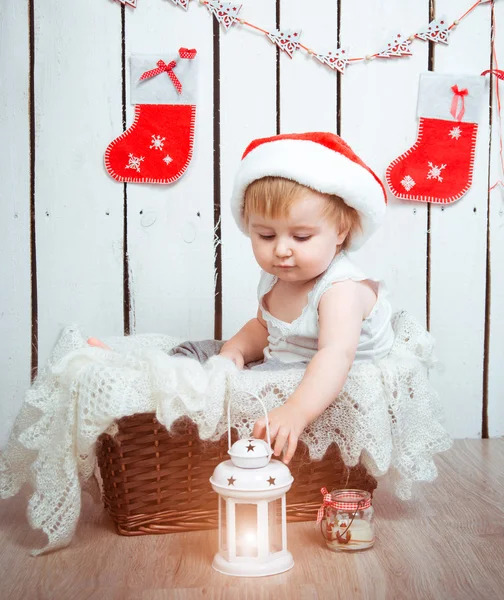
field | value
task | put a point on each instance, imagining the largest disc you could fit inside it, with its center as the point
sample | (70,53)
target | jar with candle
(348,524)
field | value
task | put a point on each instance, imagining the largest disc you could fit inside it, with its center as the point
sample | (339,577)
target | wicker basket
(158,482)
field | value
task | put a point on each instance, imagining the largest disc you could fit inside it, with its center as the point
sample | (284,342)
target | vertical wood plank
(78,207)
(379,121)
(495,359)
(170,227)
(458,247)
(308,88)
(15,321)
(248,111)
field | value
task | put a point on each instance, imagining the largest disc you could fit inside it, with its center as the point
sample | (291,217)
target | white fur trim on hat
(317,167)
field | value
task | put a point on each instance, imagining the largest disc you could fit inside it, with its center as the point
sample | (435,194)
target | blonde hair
(273,197)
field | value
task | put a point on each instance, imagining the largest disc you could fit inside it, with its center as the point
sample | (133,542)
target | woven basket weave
(158,482)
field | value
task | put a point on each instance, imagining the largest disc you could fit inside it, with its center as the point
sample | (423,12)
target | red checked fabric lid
(351,499)
(321,161)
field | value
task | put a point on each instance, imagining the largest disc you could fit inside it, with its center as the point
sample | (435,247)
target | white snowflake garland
(157,142)
(134,162)
(455,133)
(287,40)
(225,12)
(435,172)
(437,30)
(408,182)
(399,46)
(337,60)
(131,3)
(182,3)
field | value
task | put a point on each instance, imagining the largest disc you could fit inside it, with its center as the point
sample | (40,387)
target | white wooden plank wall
(496,231)
(78,210)
(458,248)
(170,228)
(15,293)
(116,258)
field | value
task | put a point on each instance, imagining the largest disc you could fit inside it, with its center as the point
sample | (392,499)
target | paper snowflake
(286,40)
(408,182)
(399,46)
(337,60)
(437,31)
(455,133)
(225,12)
(134,162)
(157,142)
(132,3)
(182,3)
(435,172)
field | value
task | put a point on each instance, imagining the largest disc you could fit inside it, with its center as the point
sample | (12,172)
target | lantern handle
(265,420)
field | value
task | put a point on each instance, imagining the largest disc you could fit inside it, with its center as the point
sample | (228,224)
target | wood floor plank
(447,543)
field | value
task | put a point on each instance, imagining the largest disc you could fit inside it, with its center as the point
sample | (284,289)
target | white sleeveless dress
(298,341)
(387,415)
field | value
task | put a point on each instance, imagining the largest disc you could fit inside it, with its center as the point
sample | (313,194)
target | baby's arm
(341,312)
(248,344)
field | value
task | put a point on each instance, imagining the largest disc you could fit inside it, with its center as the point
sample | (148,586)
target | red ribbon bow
(188,53)
(497,72)
(326,501)
(164,68)
(458,94)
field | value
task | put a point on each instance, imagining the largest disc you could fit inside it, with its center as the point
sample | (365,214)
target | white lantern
(252,509)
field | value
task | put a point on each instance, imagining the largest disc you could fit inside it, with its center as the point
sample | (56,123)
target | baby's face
(299,246)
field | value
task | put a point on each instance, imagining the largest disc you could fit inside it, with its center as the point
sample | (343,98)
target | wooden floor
(446,544)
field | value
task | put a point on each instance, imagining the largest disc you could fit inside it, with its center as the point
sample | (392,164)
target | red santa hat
(320,161)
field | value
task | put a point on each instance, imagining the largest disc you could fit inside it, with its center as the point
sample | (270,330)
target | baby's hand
(235,355)
(286,424)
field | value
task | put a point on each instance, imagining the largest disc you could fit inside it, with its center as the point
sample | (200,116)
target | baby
(304,199)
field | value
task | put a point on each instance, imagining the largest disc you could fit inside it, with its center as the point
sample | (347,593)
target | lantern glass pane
(246,530)
(275,525)
(223,525)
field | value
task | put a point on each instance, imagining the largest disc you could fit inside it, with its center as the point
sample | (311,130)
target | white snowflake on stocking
(157,142)
(134,162)
(182,3)
(167,159)
(408,182)
(399,46)
(455,133)
(337,60)
(225,12)
(286,40)
(435,172)
(436,31)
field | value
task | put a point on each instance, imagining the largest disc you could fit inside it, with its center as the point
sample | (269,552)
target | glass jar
(348,521)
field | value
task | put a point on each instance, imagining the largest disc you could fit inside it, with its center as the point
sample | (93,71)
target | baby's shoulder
(342,268)
(350,295)
(265,285)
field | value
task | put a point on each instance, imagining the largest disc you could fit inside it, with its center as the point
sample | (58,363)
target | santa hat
(320,161)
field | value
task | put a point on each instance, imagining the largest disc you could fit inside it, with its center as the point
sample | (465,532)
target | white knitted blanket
(386,415)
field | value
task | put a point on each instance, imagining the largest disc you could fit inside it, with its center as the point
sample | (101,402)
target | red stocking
(158,146)
(439,166)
